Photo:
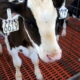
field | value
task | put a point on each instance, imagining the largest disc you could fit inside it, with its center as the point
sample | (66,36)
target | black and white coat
(61,19)
(36,35)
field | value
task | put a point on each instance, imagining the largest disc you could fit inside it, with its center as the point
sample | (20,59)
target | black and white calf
(61,19)
(30,28)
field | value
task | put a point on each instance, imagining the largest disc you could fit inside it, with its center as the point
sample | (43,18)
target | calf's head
(45,15)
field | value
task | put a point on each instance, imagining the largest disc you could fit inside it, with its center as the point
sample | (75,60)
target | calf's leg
(17,63)
(31,53)
(35,61)
(64,29)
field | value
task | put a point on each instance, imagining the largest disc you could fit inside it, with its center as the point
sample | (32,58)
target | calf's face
(45,15)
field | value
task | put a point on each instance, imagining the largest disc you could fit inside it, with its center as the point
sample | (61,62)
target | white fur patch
(1,49)
(64,29)
(7,43)
(58,37)
(74,16)
(19,1)
(11,0)
(0,44)
(63,32)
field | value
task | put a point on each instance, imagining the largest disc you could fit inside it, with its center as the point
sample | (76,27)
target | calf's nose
(55,56)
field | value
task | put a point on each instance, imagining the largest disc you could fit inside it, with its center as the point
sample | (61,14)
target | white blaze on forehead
(42,10)
(44,13)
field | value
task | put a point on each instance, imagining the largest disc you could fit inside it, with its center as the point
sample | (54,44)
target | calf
(41,41)
(61,19)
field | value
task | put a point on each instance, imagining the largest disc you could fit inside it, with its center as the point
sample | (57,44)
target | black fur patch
(57,3)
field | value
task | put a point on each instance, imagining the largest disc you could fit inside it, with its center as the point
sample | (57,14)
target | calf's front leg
(17,63)
(64,29)
(35,61)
